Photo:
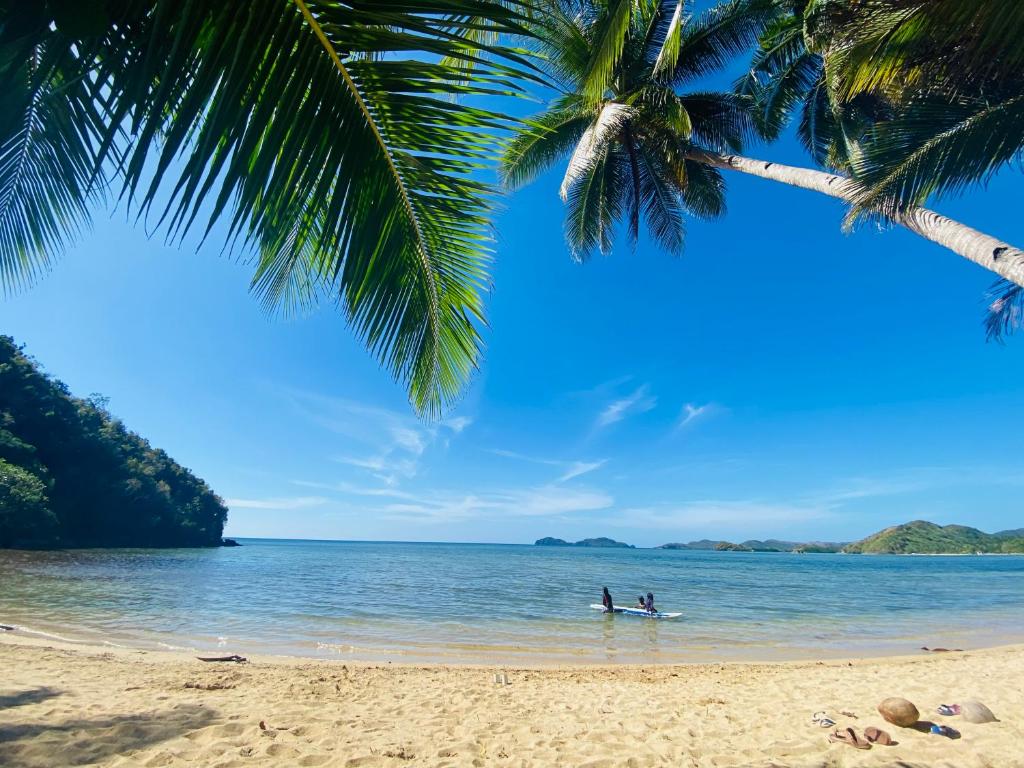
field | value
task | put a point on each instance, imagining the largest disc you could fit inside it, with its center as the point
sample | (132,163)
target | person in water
(640,603)
(649,605)
(606,601)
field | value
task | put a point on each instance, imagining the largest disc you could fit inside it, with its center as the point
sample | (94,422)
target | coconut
(899,712)
(976,712)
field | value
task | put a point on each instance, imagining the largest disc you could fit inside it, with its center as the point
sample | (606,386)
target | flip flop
(878,736)
(822,719)
(849,736)
(948,710)
(945,730)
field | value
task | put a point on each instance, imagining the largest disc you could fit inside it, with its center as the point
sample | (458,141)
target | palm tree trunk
(988,252)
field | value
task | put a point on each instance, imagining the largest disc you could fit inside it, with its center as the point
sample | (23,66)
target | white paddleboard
(637,612)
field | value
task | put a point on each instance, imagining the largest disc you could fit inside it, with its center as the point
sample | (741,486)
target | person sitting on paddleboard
(649,605)
(640,603)
(606,601)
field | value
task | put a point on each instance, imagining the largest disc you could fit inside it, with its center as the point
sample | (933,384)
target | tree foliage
(630,117)
(328,138)
(912,98)
(73,475)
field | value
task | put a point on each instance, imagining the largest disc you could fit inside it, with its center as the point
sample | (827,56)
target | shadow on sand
(30,696)
(81,740)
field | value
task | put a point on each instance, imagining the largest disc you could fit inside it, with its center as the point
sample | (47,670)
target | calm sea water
(508,604)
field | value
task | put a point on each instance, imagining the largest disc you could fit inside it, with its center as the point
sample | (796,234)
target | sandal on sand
(945,730)
(849,736)
(822,719)
(948,710)
(878,736)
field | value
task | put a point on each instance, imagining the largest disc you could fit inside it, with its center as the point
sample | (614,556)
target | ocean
(509,604)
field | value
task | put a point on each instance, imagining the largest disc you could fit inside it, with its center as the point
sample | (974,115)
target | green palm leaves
(913,99)
(630,131)
(325,136)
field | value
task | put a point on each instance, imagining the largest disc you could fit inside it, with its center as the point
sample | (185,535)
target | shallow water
(487,603)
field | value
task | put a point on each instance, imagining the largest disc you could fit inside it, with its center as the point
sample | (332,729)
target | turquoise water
(506,604)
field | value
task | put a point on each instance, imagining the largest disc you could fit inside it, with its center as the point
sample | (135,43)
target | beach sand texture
(71,706)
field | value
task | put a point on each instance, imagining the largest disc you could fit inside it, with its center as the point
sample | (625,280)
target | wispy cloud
(295,502)
(578,468)
(710,513)
(351,489)
(458,424)
(539,501)
(692,413)
(570,469)
(387,444)
(638,401)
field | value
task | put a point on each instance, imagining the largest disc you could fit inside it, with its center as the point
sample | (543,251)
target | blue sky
(780,379)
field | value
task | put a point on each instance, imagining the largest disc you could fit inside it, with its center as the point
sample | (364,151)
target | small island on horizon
(918,537)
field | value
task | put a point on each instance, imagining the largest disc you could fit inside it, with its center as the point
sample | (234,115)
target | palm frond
(1005,312)
(606,48)
(721,121)
(715,37)
(542,141)
(704,193)
(329,138)
(936,147)
(592,146)
(48,149)
(668,53)
(661,200)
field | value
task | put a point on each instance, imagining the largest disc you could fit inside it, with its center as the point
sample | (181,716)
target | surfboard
(638,612)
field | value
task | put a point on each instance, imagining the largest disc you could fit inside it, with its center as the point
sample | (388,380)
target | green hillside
(922,537)
(71,475)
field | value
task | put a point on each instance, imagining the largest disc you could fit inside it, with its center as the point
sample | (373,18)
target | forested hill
(71,475)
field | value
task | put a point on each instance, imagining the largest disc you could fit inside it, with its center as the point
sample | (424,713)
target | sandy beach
(61,705)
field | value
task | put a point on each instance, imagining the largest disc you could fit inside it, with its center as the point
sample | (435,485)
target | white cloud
(296,502)
(639,401)
(709,513)
(577,468)
(387,444)
(570,469)
(540,501)
(691,413)
(458,424)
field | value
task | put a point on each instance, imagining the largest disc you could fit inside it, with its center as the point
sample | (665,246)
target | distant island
(917,537)
(923,538)
(601,541)
(72,475)
(754,545)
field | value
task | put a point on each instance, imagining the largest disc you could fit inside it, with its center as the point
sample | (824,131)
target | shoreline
(109,706)
(517,656)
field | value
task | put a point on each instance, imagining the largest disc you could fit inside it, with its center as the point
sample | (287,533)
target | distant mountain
(599,542)
(771,545)
(924,538)
(702,544)
(1016,533)
(755,545)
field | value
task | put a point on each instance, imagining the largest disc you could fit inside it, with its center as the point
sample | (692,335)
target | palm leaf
(936,147)
(542,141)
(606,48)
(47,161)
(712,39)
(329,139)
(592,146)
